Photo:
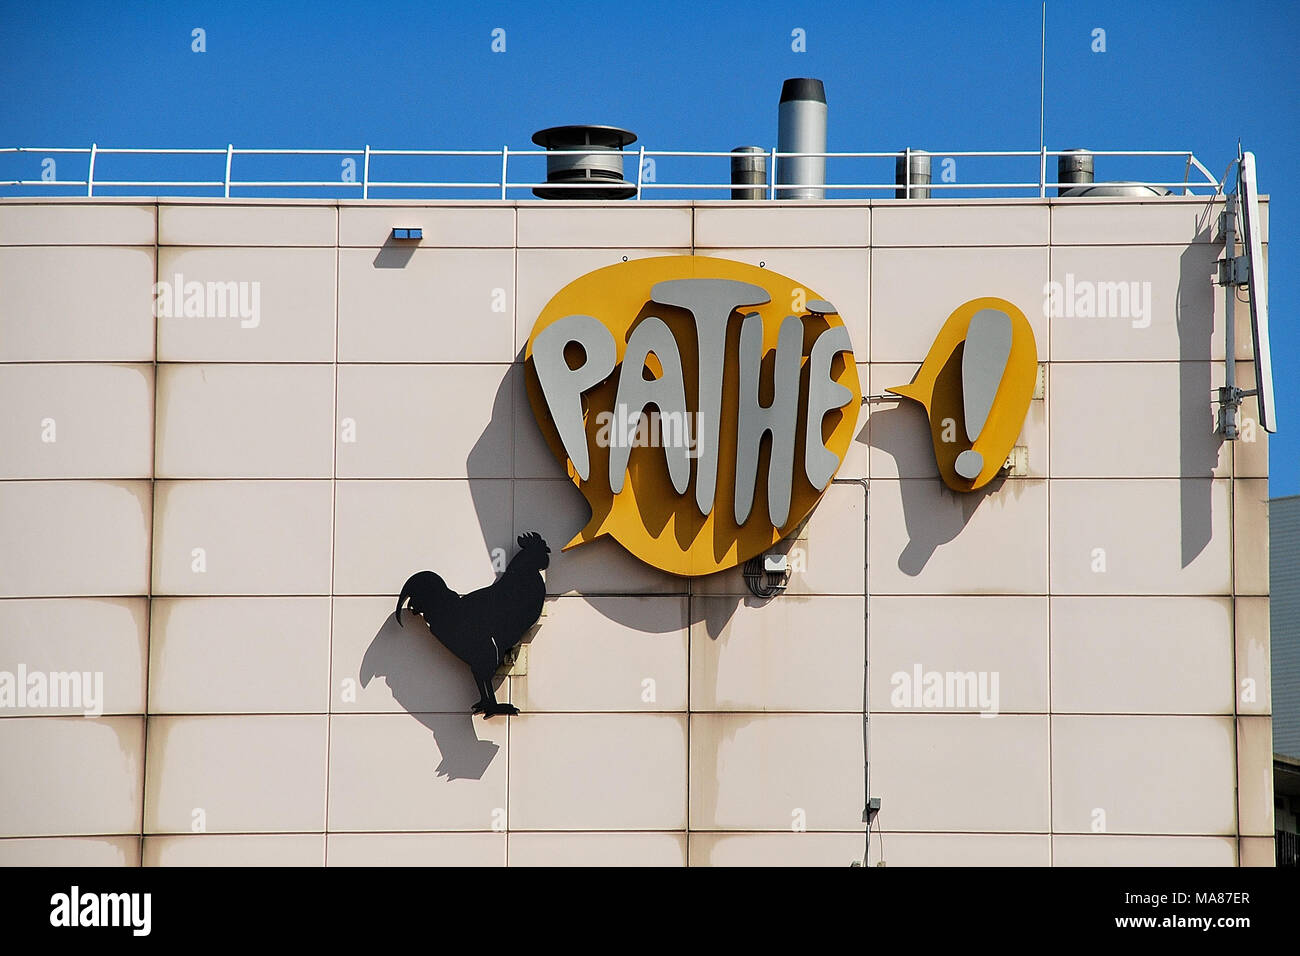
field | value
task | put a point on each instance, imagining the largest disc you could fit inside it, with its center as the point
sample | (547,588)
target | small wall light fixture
(408,232)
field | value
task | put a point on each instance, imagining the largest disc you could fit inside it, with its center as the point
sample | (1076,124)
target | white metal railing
(502,185)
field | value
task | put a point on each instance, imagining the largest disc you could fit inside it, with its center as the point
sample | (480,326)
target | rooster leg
(490,706)
(486,698)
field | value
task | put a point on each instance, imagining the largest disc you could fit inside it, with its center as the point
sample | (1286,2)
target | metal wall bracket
(1234,271)
(1229,405)
(1017,463)
(515,662)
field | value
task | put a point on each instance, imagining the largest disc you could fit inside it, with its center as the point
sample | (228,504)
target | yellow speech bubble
(953,370)
(657,508)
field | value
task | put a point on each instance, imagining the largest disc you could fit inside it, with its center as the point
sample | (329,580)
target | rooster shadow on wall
(476,629)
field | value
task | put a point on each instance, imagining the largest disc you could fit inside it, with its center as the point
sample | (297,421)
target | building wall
(1284,570)
(207,532)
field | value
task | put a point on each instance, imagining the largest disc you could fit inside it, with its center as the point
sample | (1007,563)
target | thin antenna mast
(1042,85)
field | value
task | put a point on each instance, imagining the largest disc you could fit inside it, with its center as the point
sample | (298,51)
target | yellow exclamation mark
(989,386)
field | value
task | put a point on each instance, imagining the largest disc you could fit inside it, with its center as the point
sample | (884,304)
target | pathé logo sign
(702,406)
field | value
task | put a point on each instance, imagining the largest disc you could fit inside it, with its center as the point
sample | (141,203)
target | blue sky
(959,76)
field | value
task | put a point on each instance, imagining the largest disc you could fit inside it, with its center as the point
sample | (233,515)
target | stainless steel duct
(584,154)
(750,171)
(913,168)
(801,128)
(1075,167)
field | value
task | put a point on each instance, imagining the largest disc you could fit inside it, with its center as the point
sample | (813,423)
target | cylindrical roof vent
(584,154)
(749,169)
(1075,166)
(801,128)
(912,173)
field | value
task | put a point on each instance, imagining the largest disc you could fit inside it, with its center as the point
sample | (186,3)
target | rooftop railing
(210,171)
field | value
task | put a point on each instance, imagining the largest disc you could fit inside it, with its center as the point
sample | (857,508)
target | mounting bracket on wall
(1017,463)
(514,662)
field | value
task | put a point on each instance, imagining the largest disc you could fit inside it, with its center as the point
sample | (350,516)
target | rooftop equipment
(912,173)
(801,128)
(1118,188)
(749,170)
(1075,166)
(581,155)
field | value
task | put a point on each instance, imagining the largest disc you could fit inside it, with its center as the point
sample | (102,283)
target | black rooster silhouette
(481,626)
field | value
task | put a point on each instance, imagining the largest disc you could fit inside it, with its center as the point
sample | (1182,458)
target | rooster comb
(531,539)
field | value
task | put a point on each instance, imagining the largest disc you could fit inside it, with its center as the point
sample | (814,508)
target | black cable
(763,583)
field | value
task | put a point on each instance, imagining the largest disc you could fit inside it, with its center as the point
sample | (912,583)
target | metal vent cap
(584,154)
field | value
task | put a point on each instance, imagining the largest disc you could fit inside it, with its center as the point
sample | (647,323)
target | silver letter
(710,302)
(668,392)
(824,395)
(563,386)
(780,418)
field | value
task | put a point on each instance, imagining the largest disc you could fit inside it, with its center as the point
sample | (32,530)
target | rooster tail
(401,598)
